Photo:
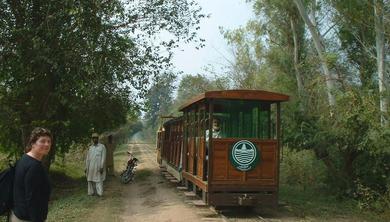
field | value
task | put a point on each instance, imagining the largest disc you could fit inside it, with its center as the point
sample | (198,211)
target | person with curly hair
(31,185)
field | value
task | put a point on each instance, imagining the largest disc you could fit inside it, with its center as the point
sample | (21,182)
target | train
(226,147)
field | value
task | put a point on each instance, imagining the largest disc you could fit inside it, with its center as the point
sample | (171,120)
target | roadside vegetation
(304,193)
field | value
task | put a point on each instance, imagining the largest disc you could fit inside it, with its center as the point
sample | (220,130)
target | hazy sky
(226,13)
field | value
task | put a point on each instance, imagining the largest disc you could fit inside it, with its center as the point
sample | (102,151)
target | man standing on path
(95,166)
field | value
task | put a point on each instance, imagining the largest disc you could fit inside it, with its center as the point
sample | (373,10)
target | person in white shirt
(216,133)
(95,166)
(216,130)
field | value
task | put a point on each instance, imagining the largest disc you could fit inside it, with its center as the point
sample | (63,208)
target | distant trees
(76,66)
(159,99)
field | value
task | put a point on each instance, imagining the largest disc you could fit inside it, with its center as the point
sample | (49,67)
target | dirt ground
(151,197)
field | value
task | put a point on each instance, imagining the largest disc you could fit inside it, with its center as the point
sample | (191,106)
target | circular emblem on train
(244,155)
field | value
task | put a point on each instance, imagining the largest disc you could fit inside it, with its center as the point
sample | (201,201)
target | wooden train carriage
(242,166)
(169,146)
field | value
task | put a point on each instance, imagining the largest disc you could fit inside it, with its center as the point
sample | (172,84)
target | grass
(142,175)
(320,205)
(69,194)
(70,201)
(306,195)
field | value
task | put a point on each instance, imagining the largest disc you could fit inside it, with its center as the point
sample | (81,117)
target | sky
(229,14)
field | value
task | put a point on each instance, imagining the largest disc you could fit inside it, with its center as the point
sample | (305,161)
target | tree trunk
(301,90)
(380,59)
(330,79)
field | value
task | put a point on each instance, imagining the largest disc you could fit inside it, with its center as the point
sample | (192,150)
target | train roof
(238,94)
(173,120)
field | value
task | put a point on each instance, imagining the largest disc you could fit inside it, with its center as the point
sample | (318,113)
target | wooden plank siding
(172,144)
(200,157)
(191,154)
(226,176)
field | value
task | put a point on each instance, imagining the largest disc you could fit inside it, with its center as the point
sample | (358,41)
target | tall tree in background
(247,49)
(273,44)
(380,58)
(319,45)
(74,66)
(357,37)
(193,85)
(362,35)
(159,98)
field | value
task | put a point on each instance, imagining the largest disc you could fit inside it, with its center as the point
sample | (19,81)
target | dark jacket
(31,190)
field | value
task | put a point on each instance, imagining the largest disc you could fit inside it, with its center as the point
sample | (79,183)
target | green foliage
(301,169)
(356,35)
(315,204)
(79,66)
(247,49)
(371,199)
(352,145)
(193,85)
(159,99)
(122,135)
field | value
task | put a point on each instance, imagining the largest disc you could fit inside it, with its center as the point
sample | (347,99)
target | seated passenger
(216,133)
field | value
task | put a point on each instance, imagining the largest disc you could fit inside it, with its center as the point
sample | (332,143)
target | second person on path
(95,166)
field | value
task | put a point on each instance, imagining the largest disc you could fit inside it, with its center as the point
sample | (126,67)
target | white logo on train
(244,155)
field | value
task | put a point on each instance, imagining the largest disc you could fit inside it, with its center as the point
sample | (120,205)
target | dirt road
(152,198)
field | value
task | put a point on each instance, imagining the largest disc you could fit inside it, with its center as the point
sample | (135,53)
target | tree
(380,58)
(75,66)
(159,98)
(191,86)
(319,45)
(246,50)
(356,38)
(270,49)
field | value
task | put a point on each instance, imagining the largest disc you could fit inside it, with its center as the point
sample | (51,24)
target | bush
(301,168)
(370,199)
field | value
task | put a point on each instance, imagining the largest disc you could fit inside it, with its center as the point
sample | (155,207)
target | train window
(244,119)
